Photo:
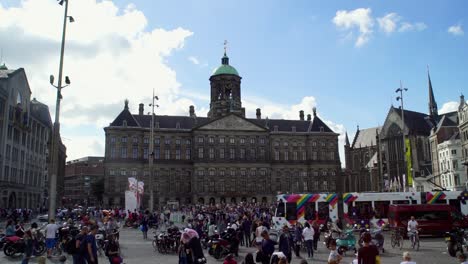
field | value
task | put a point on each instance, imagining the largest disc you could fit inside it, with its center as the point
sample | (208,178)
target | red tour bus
(433,219)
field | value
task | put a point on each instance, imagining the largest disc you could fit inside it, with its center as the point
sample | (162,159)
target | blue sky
(286,50)
(345,57)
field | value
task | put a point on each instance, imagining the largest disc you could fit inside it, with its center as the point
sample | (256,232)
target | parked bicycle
(397,237)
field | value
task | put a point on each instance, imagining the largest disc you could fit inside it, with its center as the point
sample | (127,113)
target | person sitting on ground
(462,258)
(407,258)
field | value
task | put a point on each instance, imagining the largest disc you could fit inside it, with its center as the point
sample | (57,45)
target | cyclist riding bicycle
(412,225)
(413,229)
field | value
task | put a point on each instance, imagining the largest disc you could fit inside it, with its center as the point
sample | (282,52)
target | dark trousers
(315,243)
(247,238)
(78,259)
(297,248)
(310,247)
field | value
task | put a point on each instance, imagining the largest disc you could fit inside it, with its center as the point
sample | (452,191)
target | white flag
(141,187)
(132,184)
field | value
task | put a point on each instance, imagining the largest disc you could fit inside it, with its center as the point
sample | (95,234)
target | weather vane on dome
(225,47)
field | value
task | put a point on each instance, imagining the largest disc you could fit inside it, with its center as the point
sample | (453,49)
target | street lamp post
(56,128)
(151,156)
(400,98)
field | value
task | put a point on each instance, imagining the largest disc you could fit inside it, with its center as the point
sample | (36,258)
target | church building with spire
(223,157)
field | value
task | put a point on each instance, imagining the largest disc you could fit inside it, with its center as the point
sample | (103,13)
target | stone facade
(463,126)
(25,128)
(362,162)
(222,158)
(453,174)
(80,175)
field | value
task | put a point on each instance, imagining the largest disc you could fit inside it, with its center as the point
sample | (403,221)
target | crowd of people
(248,224)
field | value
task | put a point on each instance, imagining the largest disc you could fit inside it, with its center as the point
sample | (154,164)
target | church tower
(433,112)
(225,85)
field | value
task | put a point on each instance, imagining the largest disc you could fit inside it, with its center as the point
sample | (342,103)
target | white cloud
(407,27)
(194,60)
(449,107)
(362,19)
(388,23)
(359,18)
(80,146)
(456,30)
(110,55)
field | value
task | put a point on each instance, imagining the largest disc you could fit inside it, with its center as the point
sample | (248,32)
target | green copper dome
(225,68)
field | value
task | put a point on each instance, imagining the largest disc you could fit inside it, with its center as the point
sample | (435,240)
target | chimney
(192,111)
(259,113)
(141,109)
(309,117)
(301,115)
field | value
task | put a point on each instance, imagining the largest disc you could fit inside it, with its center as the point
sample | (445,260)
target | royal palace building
(222,158)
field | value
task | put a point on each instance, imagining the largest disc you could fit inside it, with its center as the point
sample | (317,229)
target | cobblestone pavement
(135,250)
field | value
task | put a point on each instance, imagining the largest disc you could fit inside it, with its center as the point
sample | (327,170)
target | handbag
(117,260)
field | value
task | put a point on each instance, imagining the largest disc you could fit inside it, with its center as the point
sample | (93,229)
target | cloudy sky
(344,57)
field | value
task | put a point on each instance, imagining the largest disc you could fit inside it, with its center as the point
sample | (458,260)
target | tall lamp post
(151,156)
(56,128)
(400,98)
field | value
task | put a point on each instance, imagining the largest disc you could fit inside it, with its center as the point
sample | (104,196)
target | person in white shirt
(308,235)
(51,230)
(461,257)
(407,258)
(412,225)
(258,234)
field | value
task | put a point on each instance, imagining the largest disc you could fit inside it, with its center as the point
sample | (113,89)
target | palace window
(262,153)
(286,155)
(112,139)
(167,141)
(232,153)
(145,153)
(135,153)
(113,152)
(177,154)
(262,141)
(145,140)
(221,153)
(252,141)
(276,155)
(221,140)
(200,153)
(177,142)
(157,153)
(135,140)
(242,153)
(200,139)
(304,155)
(211,153)
(123,152)
(295,155)
(211,140)
(242,140)
(232,140)
(124,140)
(167,154)
(252,154)
(187,154)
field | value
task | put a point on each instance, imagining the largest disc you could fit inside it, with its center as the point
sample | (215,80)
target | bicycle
(413,236)
(397,238)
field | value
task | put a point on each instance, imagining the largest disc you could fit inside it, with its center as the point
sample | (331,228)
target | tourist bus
(372,208)
(292,208)
(457,199)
